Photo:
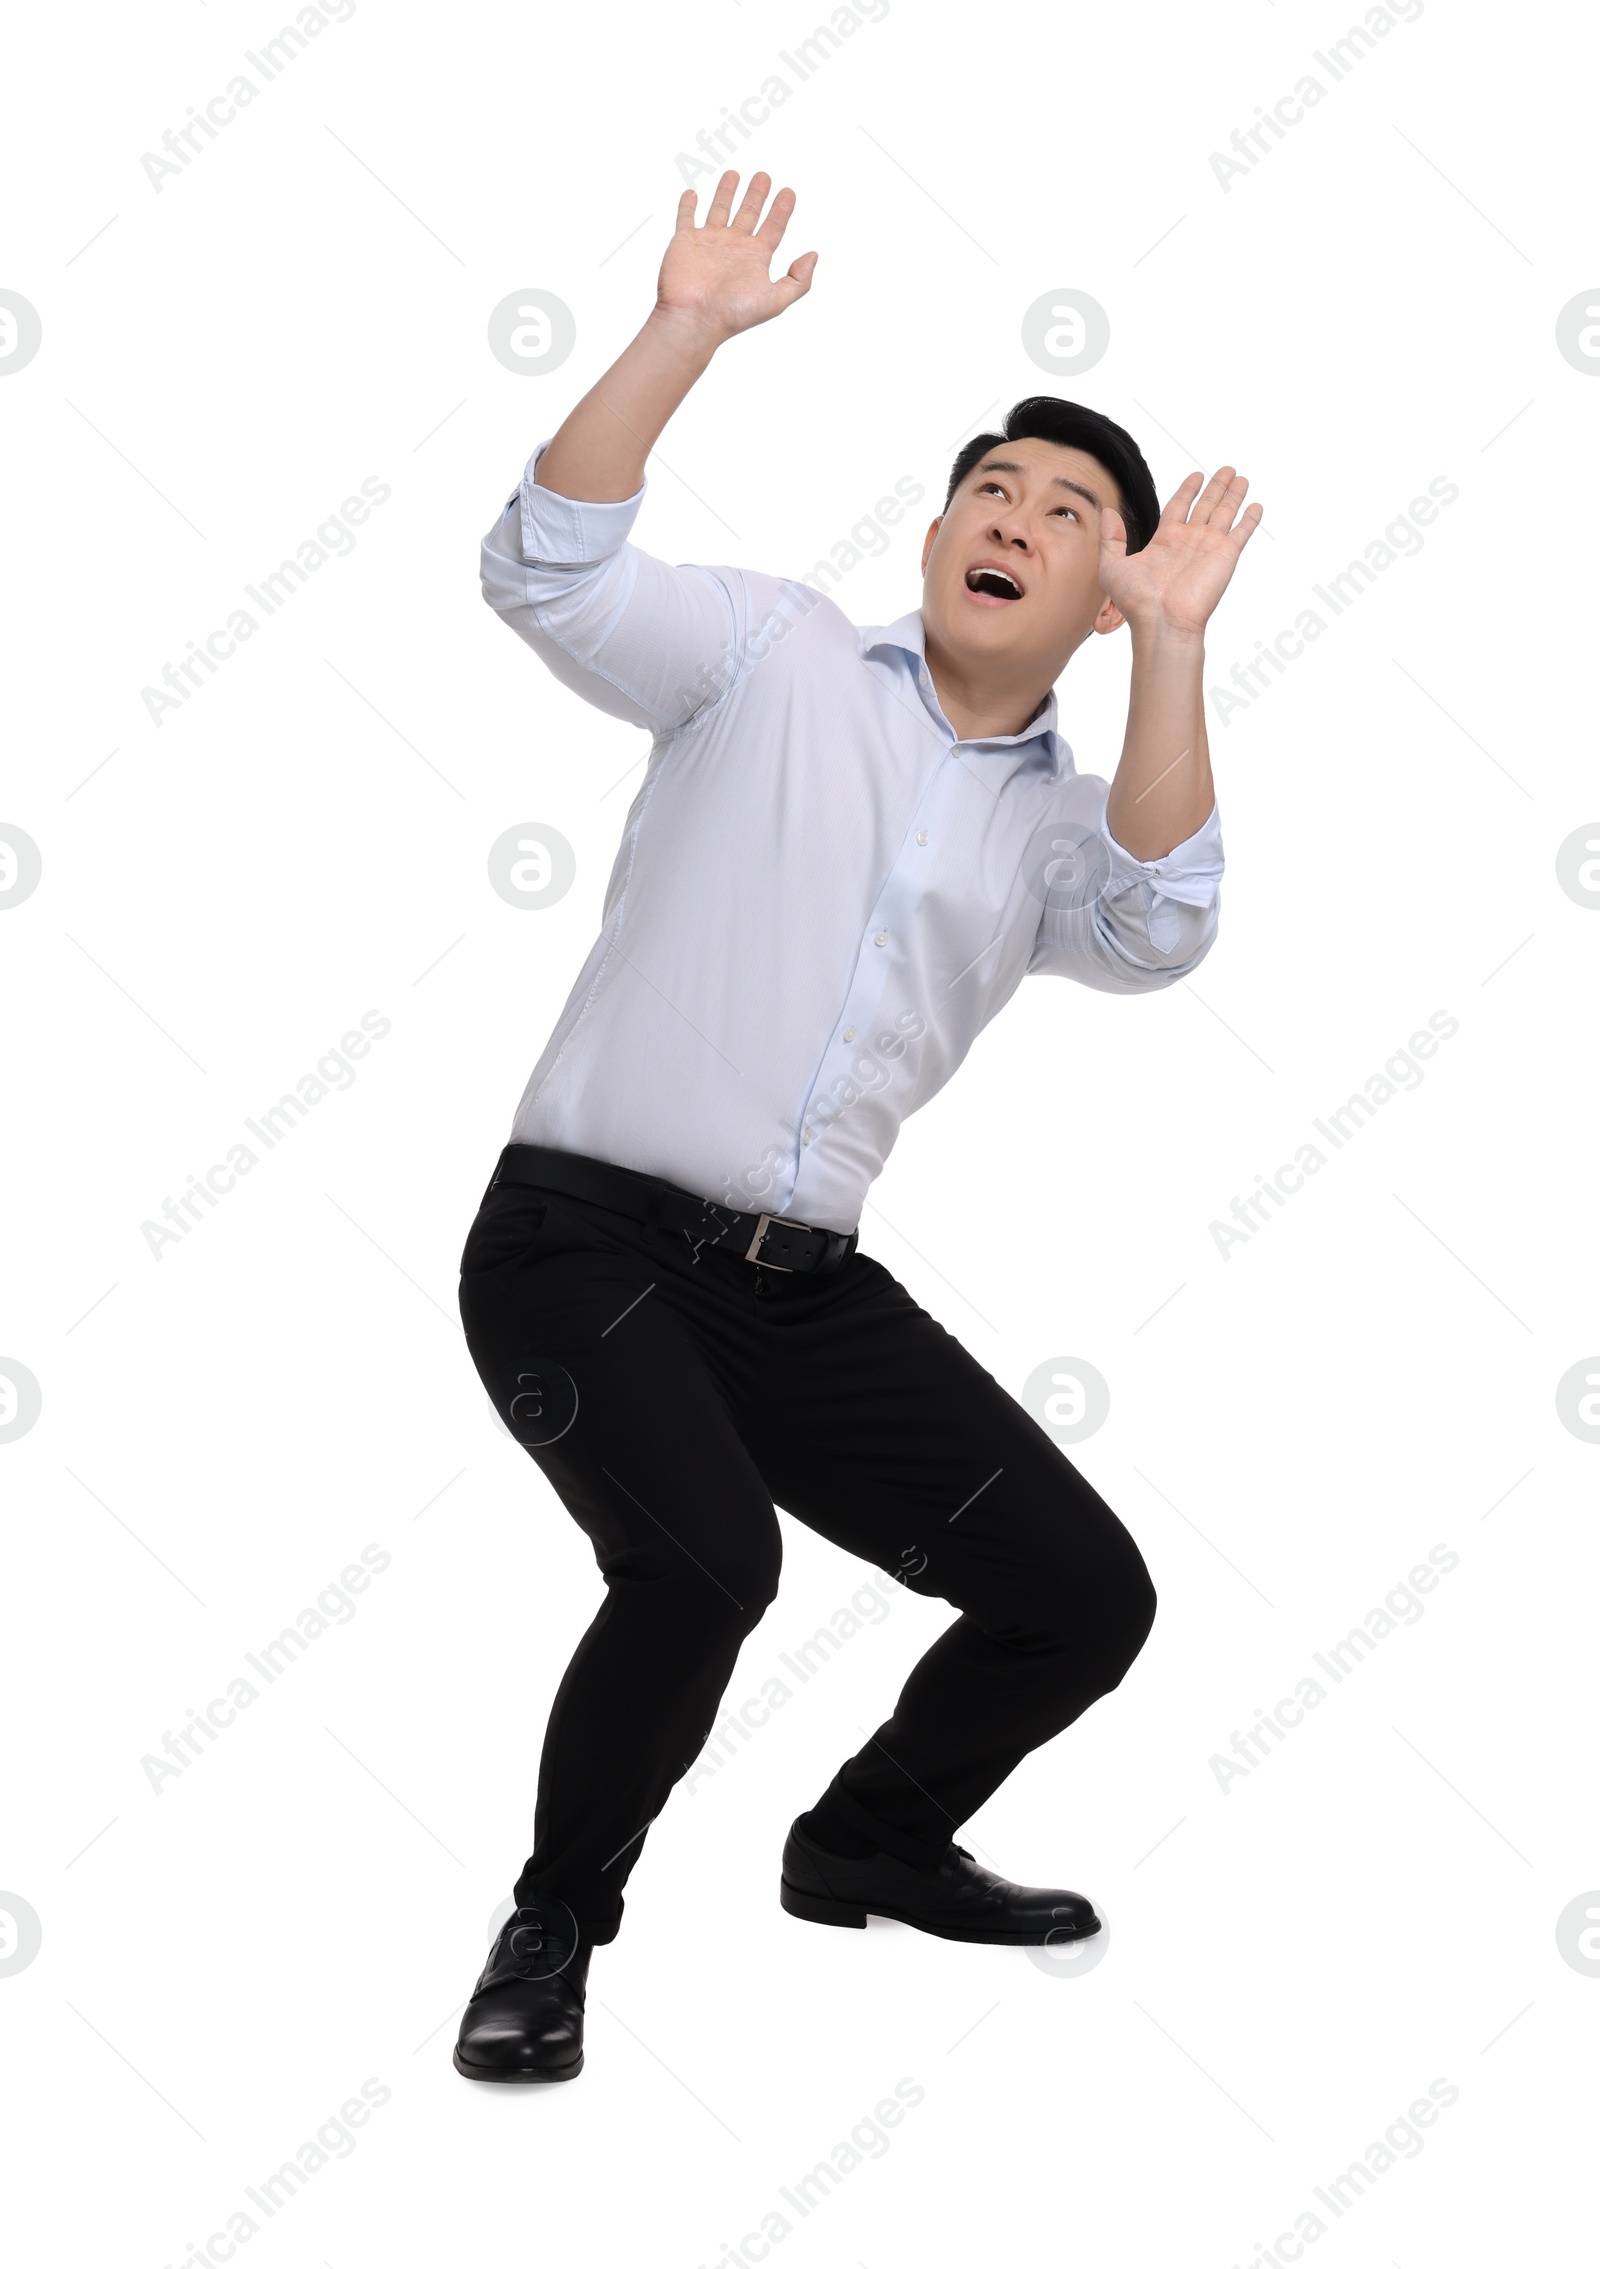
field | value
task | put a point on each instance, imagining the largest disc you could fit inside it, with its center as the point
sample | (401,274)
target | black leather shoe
(954,1898)
(525,2018)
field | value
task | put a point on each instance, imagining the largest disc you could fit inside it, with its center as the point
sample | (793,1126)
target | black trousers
(672,1397)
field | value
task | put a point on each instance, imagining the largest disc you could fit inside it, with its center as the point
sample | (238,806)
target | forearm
(598,453)
(1162,792)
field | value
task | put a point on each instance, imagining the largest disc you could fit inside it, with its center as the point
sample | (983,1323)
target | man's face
(1026,520)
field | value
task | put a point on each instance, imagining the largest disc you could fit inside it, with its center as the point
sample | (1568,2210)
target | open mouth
(993,585)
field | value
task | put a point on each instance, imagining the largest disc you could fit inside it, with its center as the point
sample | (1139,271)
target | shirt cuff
(567,531)
(1189,872)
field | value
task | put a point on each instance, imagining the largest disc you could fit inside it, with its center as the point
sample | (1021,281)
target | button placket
(902,889)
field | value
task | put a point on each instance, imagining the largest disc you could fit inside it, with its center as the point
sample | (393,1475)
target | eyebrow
(1058,480)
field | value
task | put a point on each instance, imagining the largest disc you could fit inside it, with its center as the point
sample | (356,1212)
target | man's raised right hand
(713,283)
(714,279)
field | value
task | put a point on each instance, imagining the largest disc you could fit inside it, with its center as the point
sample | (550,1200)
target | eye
(1070,509)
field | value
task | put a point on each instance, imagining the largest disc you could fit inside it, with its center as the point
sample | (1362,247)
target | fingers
(770,233)
(797,282)
(1113,530)
(755,196)
(1218,500)
(1246,528)
(722,201)
(1221,498)
(685,212)
(1177,505)
(720,212)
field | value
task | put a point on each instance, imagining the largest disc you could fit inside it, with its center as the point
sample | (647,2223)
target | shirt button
(849,1031)
(880,937)
(806,1137)
(922,835)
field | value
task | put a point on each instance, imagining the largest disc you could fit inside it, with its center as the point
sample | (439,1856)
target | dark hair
(1045,417)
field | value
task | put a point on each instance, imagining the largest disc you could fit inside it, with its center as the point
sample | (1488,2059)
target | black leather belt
(770,1240)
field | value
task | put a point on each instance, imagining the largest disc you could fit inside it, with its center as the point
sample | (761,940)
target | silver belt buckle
(762,1224)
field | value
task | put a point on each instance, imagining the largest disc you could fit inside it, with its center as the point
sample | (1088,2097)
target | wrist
(1156,634)
(684,335)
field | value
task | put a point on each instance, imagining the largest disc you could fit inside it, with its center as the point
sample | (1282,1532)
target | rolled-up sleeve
(1133,925)
(641,640)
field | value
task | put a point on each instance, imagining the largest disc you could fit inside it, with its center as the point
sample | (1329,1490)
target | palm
(716,275)
(1181,573)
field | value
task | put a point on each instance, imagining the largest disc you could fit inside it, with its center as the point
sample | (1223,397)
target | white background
(1293,1958)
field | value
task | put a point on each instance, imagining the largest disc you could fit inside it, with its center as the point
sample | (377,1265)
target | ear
(1113,550)
(927,542)
(1110,617)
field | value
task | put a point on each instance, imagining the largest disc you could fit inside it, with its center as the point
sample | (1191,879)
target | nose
(1009,527)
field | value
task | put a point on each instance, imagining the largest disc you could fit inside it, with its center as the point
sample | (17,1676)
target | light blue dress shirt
(821,896)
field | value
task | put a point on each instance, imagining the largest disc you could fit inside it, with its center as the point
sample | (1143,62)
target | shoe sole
(489,2072)
(845,1914)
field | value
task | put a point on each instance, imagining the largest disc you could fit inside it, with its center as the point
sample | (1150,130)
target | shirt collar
(908,636)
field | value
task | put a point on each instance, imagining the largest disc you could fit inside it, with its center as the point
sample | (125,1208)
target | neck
(980,703)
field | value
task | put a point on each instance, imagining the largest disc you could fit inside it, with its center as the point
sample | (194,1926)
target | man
(847,849)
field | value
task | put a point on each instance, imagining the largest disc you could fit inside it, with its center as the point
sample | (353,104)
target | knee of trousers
(1101,1612)
(1132,1615)
(754,1588)
(1139,1614)
(725,1596)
